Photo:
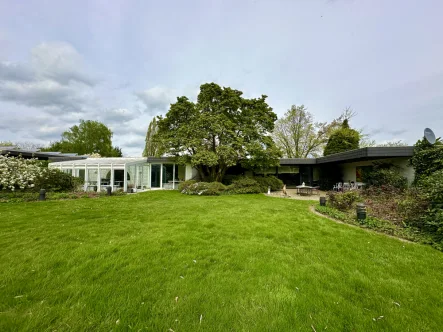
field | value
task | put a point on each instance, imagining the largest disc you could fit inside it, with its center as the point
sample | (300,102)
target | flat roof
(160,159)
(40,155)
(298,161)
(100,161)
(368,153)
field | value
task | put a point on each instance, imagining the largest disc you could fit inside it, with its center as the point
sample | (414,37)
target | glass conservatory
(127,174)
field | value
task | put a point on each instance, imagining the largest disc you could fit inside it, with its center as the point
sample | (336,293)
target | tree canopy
(342,139)
(220,130)
(87,138)
(299,136)
(152,147)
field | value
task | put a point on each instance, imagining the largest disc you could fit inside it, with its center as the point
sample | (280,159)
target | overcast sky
(122,62)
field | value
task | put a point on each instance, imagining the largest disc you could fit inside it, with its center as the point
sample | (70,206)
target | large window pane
(131,176)
(155,175)
(92,176)
(105,177)
(168,171)
(145,178)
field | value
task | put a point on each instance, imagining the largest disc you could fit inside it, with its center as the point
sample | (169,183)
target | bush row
(17,173)
(240,185)
(28,196)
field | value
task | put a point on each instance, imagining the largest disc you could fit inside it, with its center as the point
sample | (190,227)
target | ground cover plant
(163,261)
(238,185)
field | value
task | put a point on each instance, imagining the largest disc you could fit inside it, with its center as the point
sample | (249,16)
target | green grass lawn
(163,261)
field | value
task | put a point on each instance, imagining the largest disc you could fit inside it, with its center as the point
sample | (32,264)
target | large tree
(298,136)
(152,147)
(342,139)
(89,137)
(220,130)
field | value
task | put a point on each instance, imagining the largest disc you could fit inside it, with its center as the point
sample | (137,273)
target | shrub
(427,158)
(385,175)
(184,185)
(57,181)
(343,201)
(423,206)
(244,185)
(269,181)
(204,188)
(17,173)
(215,189)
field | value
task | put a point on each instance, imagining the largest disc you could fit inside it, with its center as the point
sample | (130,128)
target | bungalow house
(164,173)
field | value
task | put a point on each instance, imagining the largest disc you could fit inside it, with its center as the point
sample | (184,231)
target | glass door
(155,175)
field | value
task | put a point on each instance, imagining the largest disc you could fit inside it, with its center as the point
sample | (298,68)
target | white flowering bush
(18,173)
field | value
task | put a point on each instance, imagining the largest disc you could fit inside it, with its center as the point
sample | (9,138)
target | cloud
(15,72)
(46,94)
(61,63)
(119,115)
(54,79)
(156,99)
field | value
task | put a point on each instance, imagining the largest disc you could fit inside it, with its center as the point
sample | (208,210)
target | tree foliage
(220,130)
(152,147)
(342,139)
(427,158)
(87,138)
(297,135)
(365,143)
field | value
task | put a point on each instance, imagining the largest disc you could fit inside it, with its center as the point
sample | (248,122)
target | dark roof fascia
(297,161)
(42,155)
(367,154)
(370,153)
(161,159)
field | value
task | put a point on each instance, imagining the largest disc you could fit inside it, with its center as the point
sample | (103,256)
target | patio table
(304,190)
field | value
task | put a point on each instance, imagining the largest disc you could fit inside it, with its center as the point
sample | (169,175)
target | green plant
(57,181)
(343,201)
(427,158)
(342,139)
(185,184)
(244,185)
(269,181)
(198,188)
(215,189)
(331,212)
(423,206)
(385,175)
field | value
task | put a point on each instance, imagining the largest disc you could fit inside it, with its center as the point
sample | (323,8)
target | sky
(123,62)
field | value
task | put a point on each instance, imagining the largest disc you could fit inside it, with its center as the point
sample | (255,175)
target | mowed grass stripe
(162,260)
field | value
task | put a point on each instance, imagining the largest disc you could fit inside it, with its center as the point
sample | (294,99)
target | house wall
(191,172)
(349,169)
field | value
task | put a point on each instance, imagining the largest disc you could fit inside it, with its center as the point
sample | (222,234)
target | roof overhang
(161,159)
(371,153)
(52,156)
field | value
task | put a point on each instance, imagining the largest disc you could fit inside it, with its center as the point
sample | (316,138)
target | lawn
(162,261)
